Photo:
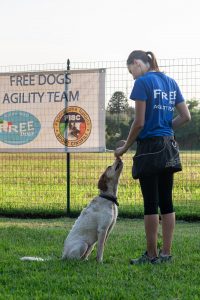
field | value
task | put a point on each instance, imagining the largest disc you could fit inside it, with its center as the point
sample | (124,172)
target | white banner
(40,113)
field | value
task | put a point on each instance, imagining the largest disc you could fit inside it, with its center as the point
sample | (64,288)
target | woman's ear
(137,62)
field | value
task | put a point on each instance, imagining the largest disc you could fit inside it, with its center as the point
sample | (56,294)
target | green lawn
(114,279)
(36,183)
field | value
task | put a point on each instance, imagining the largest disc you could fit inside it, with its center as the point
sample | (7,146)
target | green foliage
(119,117)
(118,126)
(118,103)
(79,280)
(193,104)
(188,136)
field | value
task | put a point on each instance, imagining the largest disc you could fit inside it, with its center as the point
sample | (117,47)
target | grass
(36,184)
(114,279)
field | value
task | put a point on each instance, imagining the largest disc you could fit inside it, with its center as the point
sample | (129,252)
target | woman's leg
(151,229)
(168,224)
(149,187)
(165,187)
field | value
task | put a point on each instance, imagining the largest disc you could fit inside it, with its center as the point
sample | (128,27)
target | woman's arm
(136,127)
(183,116)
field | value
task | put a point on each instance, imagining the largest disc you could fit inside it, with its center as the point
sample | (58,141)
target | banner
(52,111)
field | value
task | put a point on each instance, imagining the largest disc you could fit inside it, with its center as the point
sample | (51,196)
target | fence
(35,183)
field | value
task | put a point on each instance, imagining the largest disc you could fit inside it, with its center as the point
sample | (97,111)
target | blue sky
(50,31)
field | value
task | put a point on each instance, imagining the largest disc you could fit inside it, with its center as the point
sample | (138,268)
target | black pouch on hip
(155,155)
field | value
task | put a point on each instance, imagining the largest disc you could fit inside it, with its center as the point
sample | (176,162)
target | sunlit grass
(38,182)
(114,279)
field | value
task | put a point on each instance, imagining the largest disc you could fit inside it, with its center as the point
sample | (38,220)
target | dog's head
(109,179)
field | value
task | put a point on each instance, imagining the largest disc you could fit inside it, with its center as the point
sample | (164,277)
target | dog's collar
(110,198)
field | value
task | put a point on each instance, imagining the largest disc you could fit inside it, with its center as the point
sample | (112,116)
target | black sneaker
(165,258)
(145,259)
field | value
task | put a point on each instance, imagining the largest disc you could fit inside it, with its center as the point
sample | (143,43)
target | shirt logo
(159,94)
(166,100)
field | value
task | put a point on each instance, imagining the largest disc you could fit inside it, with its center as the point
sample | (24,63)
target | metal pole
(68,183)
(68,154)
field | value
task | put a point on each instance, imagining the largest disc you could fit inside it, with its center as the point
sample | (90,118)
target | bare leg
(151,228)
(168,224)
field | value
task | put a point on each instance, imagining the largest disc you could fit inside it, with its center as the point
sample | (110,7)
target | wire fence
(35,183)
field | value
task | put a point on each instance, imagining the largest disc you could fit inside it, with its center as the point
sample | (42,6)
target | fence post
(68,154)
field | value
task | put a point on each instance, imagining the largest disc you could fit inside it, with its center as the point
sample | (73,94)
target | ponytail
(152,61)
(146,57)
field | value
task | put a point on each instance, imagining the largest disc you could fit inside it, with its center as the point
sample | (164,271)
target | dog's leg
(101,241)
(108,232)
(77,251)
(113,222)
(110,229)
(87,253)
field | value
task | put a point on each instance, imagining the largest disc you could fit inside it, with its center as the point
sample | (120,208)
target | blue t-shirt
(161,94)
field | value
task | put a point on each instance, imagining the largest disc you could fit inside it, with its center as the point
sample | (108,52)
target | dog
(95,222)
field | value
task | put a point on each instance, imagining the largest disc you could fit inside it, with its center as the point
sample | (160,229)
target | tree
(119,117)
(188,135)
(118,103)
(193,104)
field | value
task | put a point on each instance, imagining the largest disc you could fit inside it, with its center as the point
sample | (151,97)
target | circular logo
(72,126)
(18,127)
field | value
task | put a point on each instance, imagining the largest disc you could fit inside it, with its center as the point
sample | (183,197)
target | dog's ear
(102,184)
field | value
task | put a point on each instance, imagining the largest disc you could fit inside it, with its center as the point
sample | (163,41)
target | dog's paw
(99,260)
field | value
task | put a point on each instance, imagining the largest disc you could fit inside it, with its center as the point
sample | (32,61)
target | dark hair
(146,57)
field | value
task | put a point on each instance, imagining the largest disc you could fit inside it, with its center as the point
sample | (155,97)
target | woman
(156,96)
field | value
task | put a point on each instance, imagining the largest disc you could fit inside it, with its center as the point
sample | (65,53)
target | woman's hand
(120,148)
(119,151)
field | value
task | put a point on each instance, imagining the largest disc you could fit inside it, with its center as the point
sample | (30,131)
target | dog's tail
(34,258)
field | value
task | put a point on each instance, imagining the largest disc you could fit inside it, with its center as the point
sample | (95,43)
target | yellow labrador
(97,220)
